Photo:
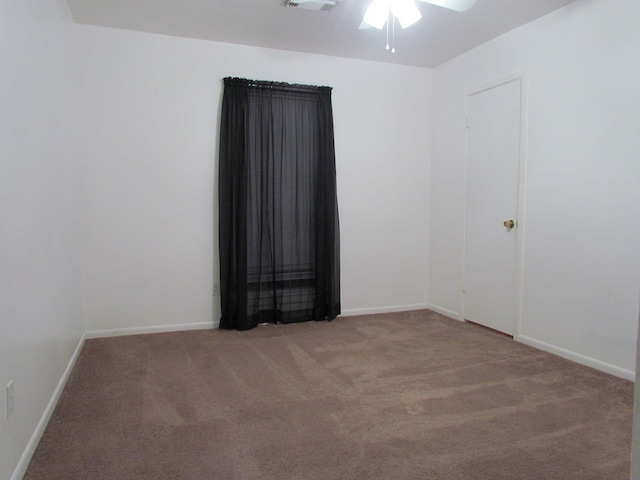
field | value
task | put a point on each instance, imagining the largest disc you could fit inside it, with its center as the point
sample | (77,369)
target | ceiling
(439,36)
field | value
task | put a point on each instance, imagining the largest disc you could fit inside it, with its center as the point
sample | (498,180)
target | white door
(490,293)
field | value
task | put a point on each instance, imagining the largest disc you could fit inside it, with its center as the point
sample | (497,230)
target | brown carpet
(396,396)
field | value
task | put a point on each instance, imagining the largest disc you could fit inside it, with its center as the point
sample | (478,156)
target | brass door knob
(509,224)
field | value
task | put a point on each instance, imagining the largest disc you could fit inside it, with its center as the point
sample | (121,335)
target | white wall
(150,106)
(40,302)
(582,223)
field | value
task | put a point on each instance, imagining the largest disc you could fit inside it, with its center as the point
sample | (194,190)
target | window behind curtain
(279,234)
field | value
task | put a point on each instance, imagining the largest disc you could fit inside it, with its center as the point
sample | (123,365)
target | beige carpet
(394,396)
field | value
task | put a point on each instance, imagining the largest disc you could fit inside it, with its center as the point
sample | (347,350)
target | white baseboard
(370,311)
(561,352)
(119,332)
(30,449)
(445,312)
(578,358)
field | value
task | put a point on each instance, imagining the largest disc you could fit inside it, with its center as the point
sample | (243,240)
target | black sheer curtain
(279,234)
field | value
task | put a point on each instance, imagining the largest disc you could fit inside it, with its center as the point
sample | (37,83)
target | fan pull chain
(389,16)
(391,19)
(393,35)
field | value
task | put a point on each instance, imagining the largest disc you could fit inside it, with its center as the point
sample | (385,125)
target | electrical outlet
(216,289)
(9,400)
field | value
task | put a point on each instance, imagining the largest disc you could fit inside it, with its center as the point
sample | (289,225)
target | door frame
(522,171)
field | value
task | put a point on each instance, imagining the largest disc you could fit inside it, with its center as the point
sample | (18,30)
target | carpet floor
(392,396)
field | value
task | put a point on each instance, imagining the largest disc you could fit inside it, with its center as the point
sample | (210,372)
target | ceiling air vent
(313,5)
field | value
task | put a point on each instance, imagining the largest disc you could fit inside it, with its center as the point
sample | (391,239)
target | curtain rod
(266,84)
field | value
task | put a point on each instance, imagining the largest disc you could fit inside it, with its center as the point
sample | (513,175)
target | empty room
(481,318)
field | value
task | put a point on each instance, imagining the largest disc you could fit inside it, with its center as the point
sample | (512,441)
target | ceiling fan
(405,11)
(381,12)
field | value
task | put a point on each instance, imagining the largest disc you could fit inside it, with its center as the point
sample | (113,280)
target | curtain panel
(278,222)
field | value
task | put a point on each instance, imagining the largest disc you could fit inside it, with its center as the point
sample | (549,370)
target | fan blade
(457,5)
(377,14)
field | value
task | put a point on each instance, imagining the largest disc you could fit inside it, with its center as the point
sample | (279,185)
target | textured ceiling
(439,36)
